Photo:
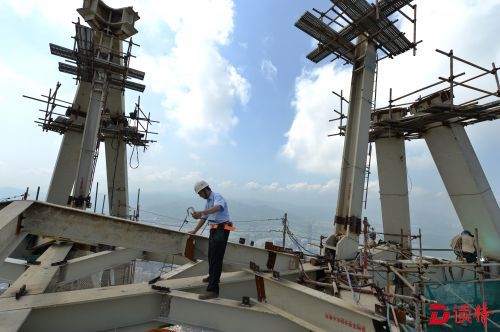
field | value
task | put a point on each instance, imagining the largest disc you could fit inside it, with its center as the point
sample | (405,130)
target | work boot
(206,279)
(208,295)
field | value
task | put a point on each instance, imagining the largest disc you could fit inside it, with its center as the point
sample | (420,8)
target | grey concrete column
(393,184)
(466,184)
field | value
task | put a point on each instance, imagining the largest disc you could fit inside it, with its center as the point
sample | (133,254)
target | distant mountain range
(436,218)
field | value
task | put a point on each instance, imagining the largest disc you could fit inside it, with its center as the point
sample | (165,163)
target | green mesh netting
(469,293)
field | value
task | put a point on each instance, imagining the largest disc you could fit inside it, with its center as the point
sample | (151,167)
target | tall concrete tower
(97,113)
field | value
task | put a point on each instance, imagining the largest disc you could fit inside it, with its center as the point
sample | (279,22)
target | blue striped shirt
(220,216)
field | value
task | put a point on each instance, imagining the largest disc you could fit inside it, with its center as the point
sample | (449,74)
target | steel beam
(10,227)
(38,277)
(84,266)
(466,184)
(233,285)
(60,311)
(190,269)
(34,280)
(321,311)
(80,226)
(11,269)
(12,320)
(222,314)
(121,306)
(9,246)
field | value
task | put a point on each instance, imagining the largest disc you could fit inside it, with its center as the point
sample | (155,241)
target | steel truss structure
(26,305)
(350,287)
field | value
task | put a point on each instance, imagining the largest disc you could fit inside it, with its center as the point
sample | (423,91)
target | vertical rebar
(390,97)
(368,172)
(421,281)
(401,239)
(479,270)
(414,30)
(451,75)
(26,193)
(37,193)
(137,207)
(96,191)
(376,84)
(285,221)
(494,71)
(341,109)
(103,201)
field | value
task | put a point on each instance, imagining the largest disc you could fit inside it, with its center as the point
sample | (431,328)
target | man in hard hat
(464,245)
(217,214)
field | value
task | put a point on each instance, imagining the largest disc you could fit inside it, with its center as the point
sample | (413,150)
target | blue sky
(239,104)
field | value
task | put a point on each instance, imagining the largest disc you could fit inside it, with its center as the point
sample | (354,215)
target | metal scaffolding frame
(379,288)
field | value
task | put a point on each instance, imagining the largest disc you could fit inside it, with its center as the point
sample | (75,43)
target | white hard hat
(199,186)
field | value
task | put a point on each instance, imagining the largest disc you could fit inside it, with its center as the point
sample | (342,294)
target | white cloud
(200,86)
(252,185)
(307,143)
(225,184)
(273,186)
(268,69)
(58,13)
(467,31)
(194,157)
(293,187)
(163,179)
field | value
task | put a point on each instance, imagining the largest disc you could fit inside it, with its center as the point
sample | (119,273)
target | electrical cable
(12,197)
(187,215)
(134,148)
(162,215)
(255,220)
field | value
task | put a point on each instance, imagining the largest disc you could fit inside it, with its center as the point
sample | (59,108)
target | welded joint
(162,289)
(271,260)
(254,267)
(63,262)
(19,225)
(21,292)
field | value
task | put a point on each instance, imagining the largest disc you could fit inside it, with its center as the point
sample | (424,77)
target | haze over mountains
(435,216)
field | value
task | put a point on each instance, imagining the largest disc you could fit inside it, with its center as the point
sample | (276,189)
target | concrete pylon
(102,43)
(466,184)
(393,185)
(352,176)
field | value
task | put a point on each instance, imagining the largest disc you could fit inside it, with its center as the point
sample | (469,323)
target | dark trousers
(216,248)
(470,257)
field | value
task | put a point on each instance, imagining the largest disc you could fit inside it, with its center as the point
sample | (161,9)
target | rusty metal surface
(189,249)
(261,291)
